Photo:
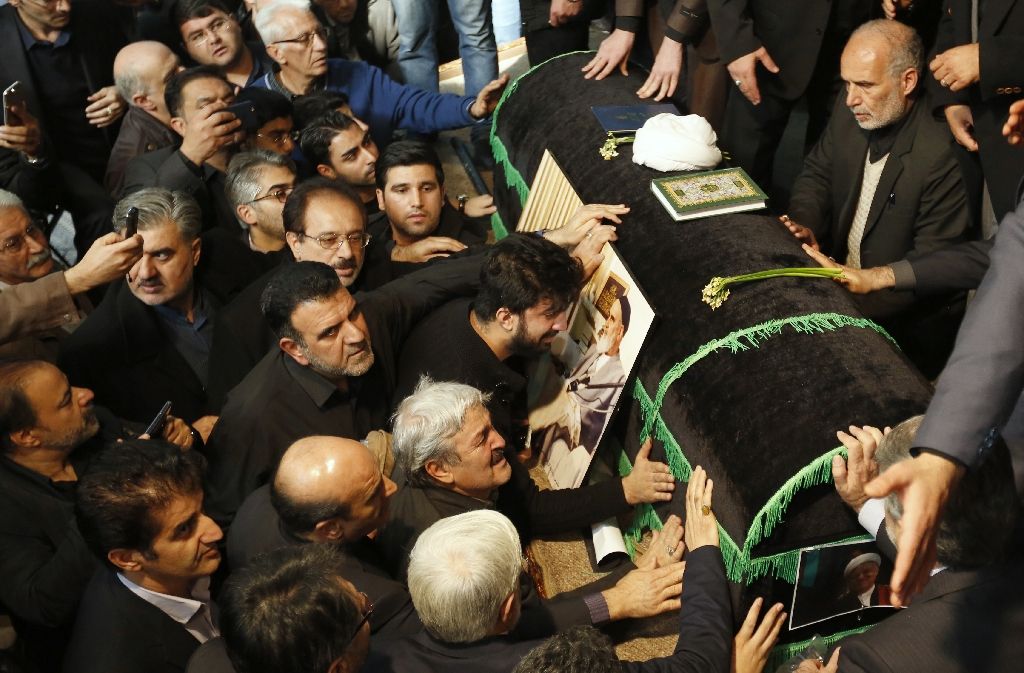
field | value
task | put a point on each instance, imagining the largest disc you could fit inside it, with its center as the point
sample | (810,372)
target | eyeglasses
(279,193)
(200,38)
(14,244)
(49,4)
(334,241)
(306,39)
(367,611)
(279,138)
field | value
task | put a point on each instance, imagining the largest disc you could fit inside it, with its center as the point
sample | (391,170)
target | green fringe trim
(740,567)
(513,178)
(784,653)
(784,565)
(498,226)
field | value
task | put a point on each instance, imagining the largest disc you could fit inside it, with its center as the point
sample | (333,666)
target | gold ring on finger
(705,510)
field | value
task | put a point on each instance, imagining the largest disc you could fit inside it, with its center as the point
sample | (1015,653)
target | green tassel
(498,226)
(784,565)
(784,653)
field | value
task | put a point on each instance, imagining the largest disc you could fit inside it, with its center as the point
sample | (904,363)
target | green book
(691,195)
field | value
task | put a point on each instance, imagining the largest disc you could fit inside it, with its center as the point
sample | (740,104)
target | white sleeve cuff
(871,515)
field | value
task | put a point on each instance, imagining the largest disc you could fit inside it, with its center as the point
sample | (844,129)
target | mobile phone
(131,222)
(156,426)
(246,113)
(13,98)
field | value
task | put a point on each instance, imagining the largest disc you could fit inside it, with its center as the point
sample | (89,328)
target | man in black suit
(883,186)
(63,58)
(327,629)
(975,79)
(141,73)
(149,340)
(139,507)
(975,598)
(197,99)
(778,51)
(333,374)
(331,491)
(49,432)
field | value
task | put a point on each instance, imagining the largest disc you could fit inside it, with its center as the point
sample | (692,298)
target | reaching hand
(177,432)
(109,257)
(649,481)
(957,68)
(1013,129)
(478,206)
(204,426)
(586,218)
(563,11)
(665,74)
(613,52)
(701,524)
(860,467)
(426,249)
(645,593)
(488,98)
(800,232)
(26,137)
(857,281)
(751,646)
(105,107)
(589,249)
(923,485)
(744,73)
(666,545)
(961,125)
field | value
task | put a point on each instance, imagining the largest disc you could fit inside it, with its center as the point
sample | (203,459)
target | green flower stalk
(716,292)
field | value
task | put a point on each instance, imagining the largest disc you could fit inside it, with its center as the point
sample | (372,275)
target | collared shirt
(61,82)
(195,614)
(192,339)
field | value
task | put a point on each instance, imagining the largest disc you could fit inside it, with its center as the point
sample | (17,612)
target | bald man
(329,490)
(141,71)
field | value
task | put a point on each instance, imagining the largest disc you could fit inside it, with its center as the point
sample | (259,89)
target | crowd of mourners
(263,240)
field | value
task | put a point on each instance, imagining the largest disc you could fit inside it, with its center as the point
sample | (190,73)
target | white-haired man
(296,41)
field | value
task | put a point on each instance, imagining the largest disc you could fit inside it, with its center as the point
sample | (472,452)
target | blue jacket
(385,104)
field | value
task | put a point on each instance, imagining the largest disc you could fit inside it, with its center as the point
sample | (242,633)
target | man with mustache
(882,188)
(333,371)
(139,508)
(49,433)
(149,340)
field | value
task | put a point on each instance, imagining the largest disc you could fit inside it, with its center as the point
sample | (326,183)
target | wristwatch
(462,198)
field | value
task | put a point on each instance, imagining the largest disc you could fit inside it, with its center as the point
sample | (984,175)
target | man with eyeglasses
(271,121)
(297,43)
(62,56)
(212,36)
(37,306)
(197,100)
(333,371)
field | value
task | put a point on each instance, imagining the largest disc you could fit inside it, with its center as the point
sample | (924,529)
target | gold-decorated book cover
(692,195)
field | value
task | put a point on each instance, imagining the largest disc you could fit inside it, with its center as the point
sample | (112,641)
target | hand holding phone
(156,427)
(14,102)
(131,222)
(209,131)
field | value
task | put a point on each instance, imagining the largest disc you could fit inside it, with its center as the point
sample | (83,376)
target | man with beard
(333,372)
(883,187)
(49,432)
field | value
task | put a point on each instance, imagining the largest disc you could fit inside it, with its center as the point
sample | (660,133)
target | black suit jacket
(118,632)
(140,132)
(791,30)
(95,22)
(422,653)
(1001,49)
(257,529)
(170,169)
(121,353)
(961,621)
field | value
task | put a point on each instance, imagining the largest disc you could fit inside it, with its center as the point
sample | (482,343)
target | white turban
(861,560)
(669,142)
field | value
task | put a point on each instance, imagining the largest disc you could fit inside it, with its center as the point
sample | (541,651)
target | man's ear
(178,124)
(380,199)
(197,249)
(128,560)
(910,79)
(274,52)
(291,347)
(141,100)
(246,214)
(329,530)
(25,439)
(292,239)
(326,171)
(439,473)
(507,319)
(508,614)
